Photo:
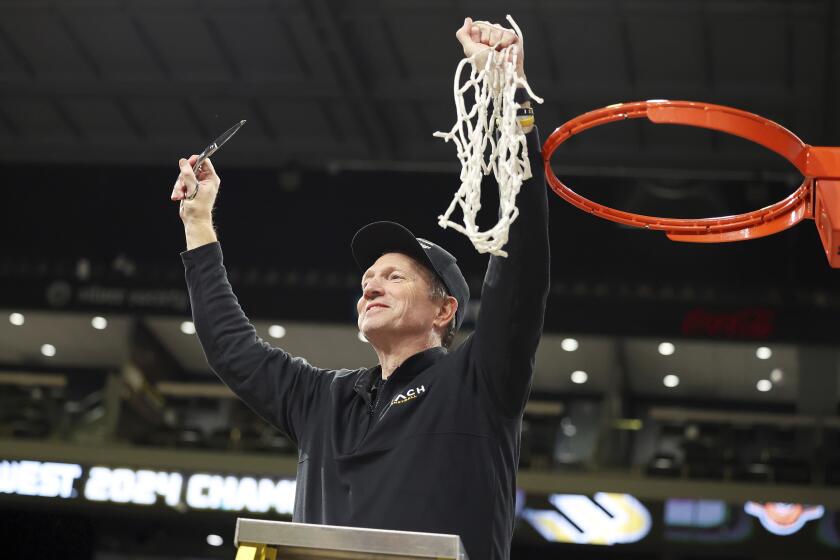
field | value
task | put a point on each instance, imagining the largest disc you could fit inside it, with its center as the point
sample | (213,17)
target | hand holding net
(488,139)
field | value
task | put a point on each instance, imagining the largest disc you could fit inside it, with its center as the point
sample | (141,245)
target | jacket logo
(409,395)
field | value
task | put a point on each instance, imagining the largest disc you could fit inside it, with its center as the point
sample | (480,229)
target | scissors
(212,149)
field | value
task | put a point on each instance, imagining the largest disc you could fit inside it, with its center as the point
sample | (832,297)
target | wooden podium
(276,540)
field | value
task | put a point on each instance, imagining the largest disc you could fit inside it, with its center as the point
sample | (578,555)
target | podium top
(295,541)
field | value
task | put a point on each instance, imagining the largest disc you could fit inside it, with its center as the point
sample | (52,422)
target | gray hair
(439,292)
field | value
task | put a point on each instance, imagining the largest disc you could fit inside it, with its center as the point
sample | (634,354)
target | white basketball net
(489,139)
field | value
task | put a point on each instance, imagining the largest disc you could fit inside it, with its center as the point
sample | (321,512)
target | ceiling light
(569,344)
(99,323)
(662,463)
(670,380)
(276,331)
(758,468)
(579,377)
(763,353)
(777,375)
(764,385)
(48,350)
(16,319)
(362,337)
(692,432)
(215,540)
(666,348)
(187,327)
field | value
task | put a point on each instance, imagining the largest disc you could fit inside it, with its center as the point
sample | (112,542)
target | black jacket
(439,451)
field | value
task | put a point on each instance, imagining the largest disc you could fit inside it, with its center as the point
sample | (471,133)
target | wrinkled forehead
(399,261)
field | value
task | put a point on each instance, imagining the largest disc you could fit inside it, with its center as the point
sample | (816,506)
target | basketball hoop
(817,198)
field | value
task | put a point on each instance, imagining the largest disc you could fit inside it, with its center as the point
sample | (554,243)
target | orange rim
(758,223)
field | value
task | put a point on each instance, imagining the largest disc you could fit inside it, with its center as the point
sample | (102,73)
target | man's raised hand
(479,36)
(196,206)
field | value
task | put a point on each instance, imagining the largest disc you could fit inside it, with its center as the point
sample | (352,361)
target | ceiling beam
(285,30)
(82,50)
(17,54)
(556,94)
(154,52)
(222,48)
(346,66)
(131,120)
(65,117)
(545,27)
(275,89)
(8,124)
(829,131)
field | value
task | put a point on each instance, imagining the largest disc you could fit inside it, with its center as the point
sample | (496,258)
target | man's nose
(373,288)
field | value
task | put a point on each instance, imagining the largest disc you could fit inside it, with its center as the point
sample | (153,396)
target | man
(428,440)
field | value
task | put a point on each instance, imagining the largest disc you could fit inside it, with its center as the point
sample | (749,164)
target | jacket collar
(409,369)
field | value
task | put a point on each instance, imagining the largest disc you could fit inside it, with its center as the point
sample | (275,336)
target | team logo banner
(199,491)
(604,519)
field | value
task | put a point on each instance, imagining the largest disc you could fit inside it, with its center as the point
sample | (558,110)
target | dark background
(99,99)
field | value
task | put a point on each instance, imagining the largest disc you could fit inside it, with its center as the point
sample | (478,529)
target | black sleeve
(281,388)
(514,295)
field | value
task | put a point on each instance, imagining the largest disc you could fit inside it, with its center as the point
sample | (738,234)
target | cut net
(489,139)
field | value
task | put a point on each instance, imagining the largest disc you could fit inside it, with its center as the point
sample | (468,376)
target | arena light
(187,327)
(276,331)
(764,385)
(670,380)
(48,350)
(763,353)
(16,319)
(666,348)
(99,323)
(215,540)
(579,377)
(569,344)
(663,463)
(777,375)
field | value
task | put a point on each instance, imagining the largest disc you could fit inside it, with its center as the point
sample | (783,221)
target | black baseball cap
(378,238)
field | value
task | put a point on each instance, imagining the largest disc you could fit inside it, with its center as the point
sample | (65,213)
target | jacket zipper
(375,401)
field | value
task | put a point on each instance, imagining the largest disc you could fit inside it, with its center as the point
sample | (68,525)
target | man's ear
(446,312)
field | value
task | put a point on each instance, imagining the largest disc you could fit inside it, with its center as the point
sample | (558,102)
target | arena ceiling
(364,83)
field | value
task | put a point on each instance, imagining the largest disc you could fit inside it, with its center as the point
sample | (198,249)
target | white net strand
(488,141)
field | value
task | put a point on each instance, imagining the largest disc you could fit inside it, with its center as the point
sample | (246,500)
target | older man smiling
(427,439)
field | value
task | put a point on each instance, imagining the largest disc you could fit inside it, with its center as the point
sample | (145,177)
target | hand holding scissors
(182,185)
